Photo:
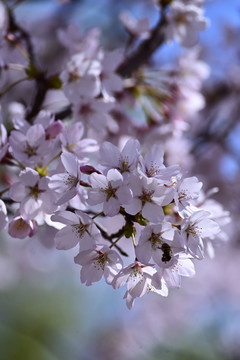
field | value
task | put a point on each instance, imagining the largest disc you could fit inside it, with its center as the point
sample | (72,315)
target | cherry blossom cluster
(163,219)
(133,220)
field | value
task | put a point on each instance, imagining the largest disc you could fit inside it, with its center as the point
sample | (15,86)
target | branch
(135,60)
(110,238)
(144,51)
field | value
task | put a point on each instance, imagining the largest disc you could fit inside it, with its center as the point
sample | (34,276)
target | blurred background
(45,312)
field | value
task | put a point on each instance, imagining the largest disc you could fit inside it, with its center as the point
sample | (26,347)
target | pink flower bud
(88,169)
(54,129)
(20,228)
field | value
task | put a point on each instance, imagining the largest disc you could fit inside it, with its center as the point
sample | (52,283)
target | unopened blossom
(109,190)
(21,227)
(80,229)
(124,161)
(3,215)
(33,194)
(148,197)
(137,28)
(97,262)
(195,228)
(30,148)
(66,184)
(81,77)
(138,278)
(184,21)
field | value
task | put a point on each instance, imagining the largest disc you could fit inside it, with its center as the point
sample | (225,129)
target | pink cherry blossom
(109,190)
(98,262)
(33,194)
(80,229)
(148,197)
(66,184)
(124,161)
(21,228)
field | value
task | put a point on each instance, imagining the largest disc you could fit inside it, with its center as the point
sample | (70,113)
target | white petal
(66,239)
(70,163)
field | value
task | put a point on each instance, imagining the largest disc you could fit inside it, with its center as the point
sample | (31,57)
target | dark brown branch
(144,51)
(21,34)
(111,237)
(42,88)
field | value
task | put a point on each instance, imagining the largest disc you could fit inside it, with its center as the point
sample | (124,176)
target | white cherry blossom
(183,266)
(148,197)
(124,161)
(185,20)
(156,242)
(81,77)
(151,165)
(196,227)
(30,148)
(33,193)
(66,184)
(138,278)
(80,229)
(137,28)
(72,140)
(97,262)
(109,190)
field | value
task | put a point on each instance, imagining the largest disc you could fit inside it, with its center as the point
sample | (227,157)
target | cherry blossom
(151,165)
(148,197)
(109,190)
(137,28)
(81,77)
(156,242)
(29,148)
(197,227)
(33,193)
(98,262)
(183,266)
(124,161)
(138,278)
(97,147)
(185,20)
(66,184)
(79,229)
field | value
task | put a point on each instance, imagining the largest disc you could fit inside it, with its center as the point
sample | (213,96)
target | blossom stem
(114,243)
(134,240)
(12,85)
(95,216)
(3,191)
(53,159)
